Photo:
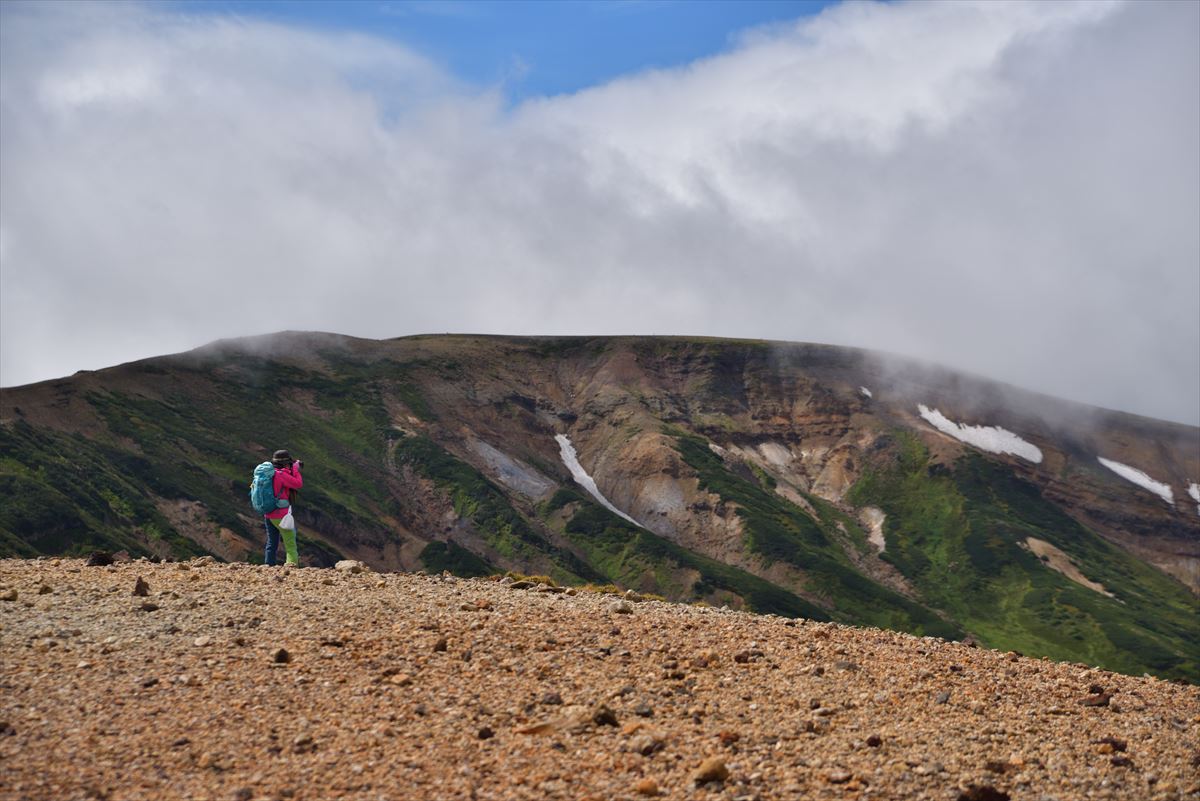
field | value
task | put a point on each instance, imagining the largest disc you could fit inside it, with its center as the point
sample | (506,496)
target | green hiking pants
(289,543)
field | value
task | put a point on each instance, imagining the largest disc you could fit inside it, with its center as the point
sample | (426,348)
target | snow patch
(1141,479)
(866,392)
(993,439)
(567,451)
(1194,491)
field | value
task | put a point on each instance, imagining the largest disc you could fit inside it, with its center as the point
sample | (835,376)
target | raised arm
(290,477)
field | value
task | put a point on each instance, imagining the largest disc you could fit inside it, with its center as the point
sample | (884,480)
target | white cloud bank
(992,439)
(1140,478)
(1008,187)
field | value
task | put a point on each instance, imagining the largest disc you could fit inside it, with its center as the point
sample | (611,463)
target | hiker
(281,521)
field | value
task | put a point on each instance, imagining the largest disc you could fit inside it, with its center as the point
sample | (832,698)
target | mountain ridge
(750,466)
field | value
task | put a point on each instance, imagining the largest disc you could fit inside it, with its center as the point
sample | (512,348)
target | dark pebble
(486,733)
(604,716)
(874,741)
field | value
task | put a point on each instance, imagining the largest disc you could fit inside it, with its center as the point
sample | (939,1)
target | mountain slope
(800,479)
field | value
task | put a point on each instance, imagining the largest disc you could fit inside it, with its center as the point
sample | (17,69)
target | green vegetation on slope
(199,441)
(957,535)
(630,556)
(64,495)
(440,556)
(778,530)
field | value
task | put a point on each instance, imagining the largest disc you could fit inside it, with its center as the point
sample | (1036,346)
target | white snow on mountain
(571,460)
(1194,491)
(1141,479)
(866,392)
(988,438)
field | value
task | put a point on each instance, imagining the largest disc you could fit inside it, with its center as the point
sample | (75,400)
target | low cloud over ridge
(1009,188)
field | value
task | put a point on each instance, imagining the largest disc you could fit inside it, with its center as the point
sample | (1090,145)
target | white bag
(288,521)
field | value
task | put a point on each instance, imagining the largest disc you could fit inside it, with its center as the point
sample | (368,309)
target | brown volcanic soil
(532,695)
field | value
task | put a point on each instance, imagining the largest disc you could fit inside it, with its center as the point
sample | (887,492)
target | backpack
(262,490)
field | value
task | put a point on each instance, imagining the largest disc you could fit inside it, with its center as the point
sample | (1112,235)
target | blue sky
(536,48)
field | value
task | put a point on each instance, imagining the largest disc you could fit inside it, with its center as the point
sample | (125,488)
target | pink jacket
(286,480)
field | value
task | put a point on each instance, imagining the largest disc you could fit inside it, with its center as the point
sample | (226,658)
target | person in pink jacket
(287,481)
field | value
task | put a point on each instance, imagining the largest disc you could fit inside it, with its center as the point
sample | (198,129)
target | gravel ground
(242,682)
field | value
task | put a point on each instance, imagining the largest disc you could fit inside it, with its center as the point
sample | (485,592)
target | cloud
(1010,188)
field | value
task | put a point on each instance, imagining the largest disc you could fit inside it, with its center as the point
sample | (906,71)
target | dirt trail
(241,682)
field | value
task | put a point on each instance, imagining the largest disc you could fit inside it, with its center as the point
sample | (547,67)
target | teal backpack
(262,490)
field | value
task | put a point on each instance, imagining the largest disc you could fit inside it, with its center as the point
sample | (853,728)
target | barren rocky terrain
(201,680)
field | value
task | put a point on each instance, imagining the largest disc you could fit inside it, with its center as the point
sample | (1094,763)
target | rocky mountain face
(803,480)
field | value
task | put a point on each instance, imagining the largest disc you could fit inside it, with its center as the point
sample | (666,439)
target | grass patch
(957,534)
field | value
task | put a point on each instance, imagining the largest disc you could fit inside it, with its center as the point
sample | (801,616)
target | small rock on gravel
(1110,744)
(8,595)
(711,770)
(647,787)
(646,744)
(350,566)
(982,792)
(622,608)
(942,697)
(874,741)
(603,716)
(140,588)
(281,656)
(1098,699)
(99,559)
(486,733)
